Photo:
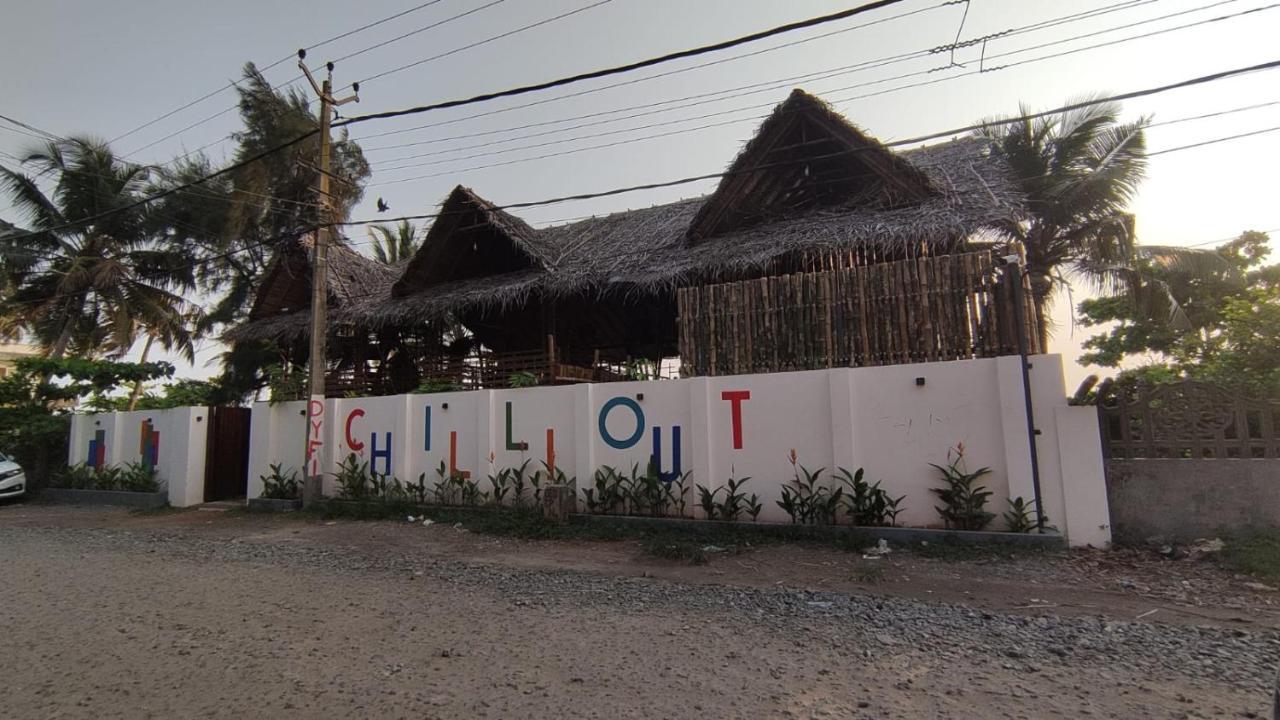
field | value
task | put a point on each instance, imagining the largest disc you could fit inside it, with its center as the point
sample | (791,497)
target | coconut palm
(1078,170)
(394,244)
(89,288)
(237,221)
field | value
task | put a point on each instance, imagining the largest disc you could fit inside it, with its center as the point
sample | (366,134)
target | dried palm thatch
(809,184)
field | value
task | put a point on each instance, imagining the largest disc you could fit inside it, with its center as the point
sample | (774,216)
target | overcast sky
(76,66)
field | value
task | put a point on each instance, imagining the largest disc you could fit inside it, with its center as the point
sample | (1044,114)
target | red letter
(735,398)
(353,443)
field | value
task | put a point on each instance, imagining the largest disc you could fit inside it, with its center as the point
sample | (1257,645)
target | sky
(117,66)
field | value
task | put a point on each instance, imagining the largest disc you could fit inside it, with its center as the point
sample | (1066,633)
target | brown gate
(226,465)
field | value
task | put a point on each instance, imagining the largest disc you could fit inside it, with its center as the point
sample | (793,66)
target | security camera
(355,87)
(302,54)
(329,66)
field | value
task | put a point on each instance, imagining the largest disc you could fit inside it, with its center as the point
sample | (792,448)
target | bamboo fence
(928,309)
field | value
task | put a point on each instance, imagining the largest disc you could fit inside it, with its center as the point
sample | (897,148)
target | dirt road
(107,614)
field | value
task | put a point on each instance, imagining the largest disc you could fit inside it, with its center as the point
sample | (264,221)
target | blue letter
(610,440)
(675,453)
(426,434)
(375,453)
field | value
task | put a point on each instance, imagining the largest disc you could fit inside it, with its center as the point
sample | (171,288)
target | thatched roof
(284,296)
(809,183)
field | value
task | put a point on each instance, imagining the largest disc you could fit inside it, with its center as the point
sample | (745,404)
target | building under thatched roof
(809,192)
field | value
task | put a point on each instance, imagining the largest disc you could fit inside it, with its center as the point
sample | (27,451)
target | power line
(453,171)
(1128,4)
(286,58)
(294,79)
(1215,141)
(520,90)
(773,85)
(485,41)
(1192,82)
(619,69)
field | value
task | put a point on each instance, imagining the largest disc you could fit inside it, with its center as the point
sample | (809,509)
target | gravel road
(100,622)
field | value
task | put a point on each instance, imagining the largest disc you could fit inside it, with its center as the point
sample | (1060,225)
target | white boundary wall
(877,418)
(180,457)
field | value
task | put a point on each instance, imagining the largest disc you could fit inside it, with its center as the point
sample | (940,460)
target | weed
(1256,554)
(963,500)
(681,550)
(276,485)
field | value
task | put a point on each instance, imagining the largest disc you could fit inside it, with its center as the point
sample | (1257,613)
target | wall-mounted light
(639,396)
(444,406)
(919,382)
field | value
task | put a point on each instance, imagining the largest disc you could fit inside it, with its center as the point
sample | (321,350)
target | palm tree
(394,244)
(91,287)
(1078,170)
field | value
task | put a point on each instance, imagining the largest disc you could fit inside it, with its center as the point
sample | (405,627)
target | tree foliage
(92,287)
(1219,324)
(35,401)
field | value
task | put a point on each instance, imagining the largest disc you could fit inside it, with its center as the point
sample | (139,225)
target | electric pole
(318,365)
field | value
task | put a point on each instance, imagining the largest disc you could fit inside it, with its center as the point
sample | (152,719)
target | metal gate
(226,465)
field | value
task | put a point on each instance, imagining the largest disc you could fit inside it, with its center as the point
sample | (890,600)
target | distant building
(10,353)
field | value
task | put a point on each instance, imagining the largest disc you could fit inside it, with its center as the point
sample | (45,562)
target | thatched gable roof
(834,190)
(806,155)
(284,295)
(472,238)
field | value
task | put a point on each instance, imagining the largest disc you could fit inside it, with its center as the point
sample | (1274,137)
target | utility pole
(312,466)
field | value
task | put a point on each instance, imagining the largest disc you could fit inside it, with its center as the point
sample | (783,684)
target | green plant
(518,476)
(277,485)
(676,492)
(548,475)
(499,483)
(645,493)
(806,499)
(867,504)
(1021,516)
(522,379)
(353,478)
(76,477)
(707,501)
(417,491)
(735,501)
(285,381)
(606,493)
(136,477)
(454,487)
(437,385)
(963,500)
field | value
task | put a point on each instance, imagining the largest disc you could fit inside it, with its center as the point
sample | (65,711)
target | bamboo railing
(948,307)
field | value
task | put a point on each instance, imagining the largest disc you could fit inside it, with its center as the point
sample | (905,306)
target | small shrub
(806,499)
(606,494)
(522,379)
(453,487)
(867,504)
(963,500)
(353,479)
(1021,516)
(417,491)
(734,501)
(518,479)
(276,485)
(132,477)
(437,385)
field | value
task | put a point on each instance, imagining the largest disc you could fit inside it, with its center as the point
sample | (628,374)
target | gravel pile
(862,624)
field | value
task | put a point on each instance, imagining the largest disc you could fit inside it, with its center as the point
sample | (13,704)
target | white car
(13,482)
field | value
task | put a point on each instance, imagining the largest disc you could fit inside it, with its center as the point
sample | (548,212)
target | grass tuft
(1256,554)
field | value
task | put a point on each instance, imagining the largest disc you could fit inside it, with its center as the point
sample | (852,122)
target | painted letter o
(609,439)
